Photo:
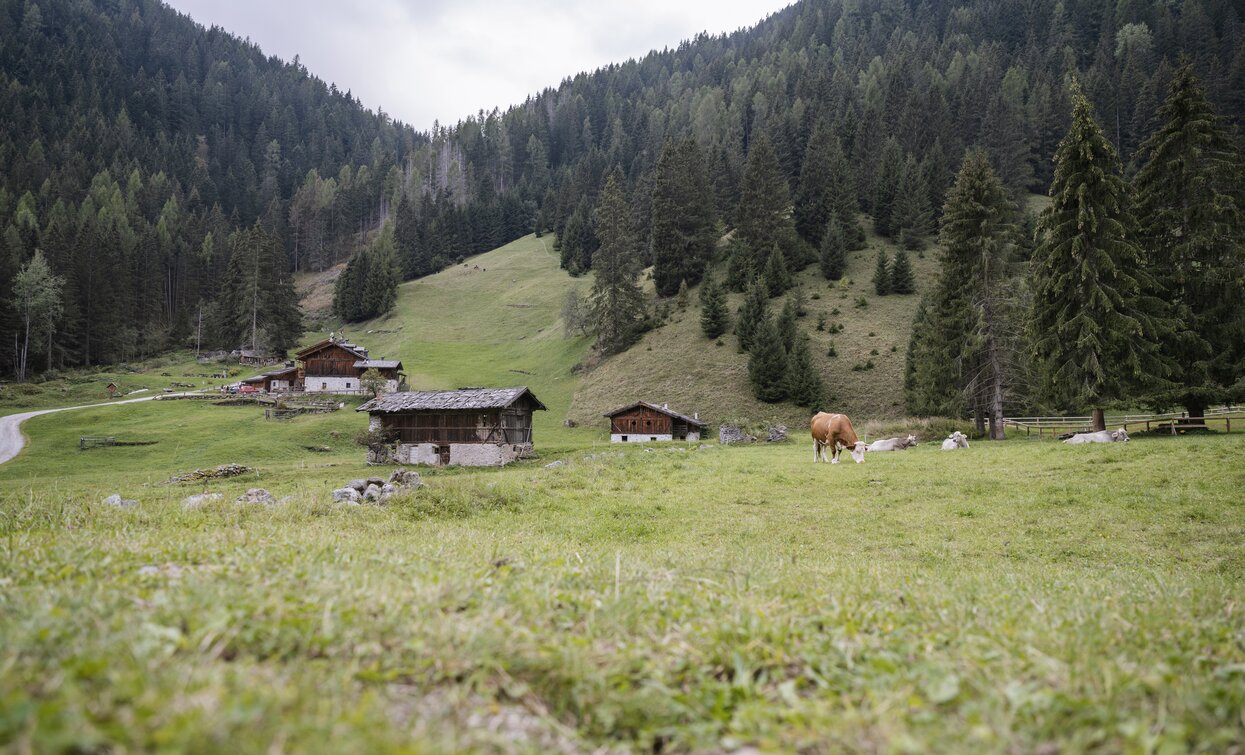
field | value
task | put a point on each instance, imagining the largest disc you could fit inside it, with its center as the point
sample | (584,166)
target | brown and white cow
(834,431)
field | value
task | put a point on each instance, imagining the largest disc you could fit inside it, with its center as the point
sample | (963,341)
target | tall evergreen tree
(765,205)
(833,250)
(777,275)
(787,330)
(752,311)
(902,280)
(682,238)
(767,363)
(617,303)
(804,384)
(912,217)
(1189,195)
(814,198)
(714,317)
(882,275)
(1095,332)
(259,306)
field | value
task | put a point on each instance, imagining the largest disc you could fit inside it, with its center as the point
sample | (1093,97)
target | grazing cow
(832,431)
(1102,436)
(955,441)
(893,444)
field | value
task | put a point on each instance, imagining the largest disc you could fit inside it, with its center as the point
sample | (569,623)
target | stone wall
(641,438)
(463,454)
(313,383)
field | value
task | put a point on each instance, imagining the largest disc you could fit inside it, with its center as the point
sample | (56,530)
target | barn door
(443,455)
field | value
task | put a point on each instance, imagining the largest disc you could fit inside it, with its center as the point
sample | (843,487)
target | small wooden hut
(470,427)
(643,422)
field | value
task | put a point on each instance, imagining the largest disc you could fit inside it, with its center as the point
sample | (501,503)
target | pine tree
(617,303)
(754,309)
(882,275)
(765,205)
(1189,195)
(714,318)
(786,326)
(814,199)
(767,364)
(833,250)
(912,217)
(683,217)
(380,286)
(741,267)
(777,276)
(804,384)
(1095,334)
(901,279)
(886,191)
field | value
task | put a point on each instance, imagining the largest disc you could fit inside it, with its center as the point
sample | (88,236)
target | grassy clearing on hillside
(678,365)
(492,321)
(1023,596)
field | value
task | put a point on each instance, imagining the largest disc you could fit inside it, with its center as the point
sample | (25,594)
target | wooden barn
(273,381)
(643,422)
(474,427)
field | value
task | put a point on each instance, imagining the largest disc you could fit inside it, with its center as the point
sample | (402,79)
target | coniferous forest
(154,164)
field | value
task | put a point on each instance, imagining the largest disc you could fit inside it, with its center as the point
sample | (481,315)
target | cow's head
(1120,435)
(911,441)
(858,451)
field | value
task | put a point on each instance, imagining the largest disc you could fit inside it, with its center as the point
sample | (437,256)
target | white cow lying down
(1102,436)
(955,441)
(892,444)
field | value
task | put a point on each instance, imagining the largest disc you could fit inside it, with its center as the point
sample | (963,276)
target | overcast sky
(423,60)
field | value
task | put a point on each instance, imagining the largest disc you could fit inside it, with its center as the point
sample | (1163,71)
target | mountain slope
(676,364)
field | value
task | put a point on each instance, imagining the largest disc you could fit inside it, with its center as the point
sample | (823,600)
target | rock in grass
(359,485)
(347,494)
(777,434)
(387,491)
(372,493)
(122,503)
(195,501)
(257,495)
(405,478)
(554,464)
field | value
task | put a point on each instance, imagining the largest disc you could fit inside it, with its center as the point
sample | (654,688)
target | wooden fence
(1173,422)
(99,441)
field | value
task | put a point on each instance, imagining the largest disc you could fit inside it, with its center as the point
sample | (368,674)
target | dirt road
(11,438)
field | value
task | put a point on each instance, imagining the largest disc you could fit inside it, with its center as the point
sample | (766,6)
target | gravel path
(11,438)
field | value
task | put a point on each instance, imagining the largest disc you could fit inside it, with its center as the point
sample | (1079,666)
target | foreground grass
(1018,597)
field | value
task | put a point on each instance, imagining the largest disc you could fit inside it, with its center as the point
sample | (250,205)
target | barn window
(624,439)
(653,438)
(347,383)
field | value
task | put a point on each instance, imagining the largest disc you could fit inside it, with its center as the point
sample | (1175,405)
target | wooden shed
(329,367)
(273,381)
(643,422)
(470,427)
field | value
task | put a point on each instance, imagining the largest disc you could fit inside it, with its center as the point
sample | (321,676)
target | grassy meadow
(1022,596)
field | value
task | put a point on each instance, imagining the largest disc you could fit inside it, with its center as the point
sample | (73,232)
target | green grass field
(1019,597)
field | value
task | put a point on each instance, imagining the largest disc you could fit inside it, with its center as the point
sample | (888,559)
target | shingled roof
(663,409)
(380,364)
(466,399)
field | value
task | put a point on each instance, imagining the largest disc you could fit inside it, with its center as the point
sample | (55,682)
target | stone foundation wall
(640,438)
(463,454)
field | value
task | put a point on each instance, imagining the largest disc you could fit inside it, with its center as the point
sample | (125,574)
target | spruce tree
(777,275)
(1189,194)
(882,275)
(814,198)
(714,318)
(741,265)
(683,217)
(767,364)
(886,191)
(901,279)
(833,250)
(765,204)
(786,324)
(804,384)
(754,309)
(380,288)
(912,217)
(1095,338)
(972,302)
(616,302)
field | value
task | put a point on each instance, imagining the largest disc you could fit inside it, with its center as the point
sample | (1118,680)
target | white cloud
(424,60)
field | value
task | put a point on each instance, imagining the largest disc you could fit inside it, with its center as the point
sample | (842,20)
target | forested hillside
(134,143)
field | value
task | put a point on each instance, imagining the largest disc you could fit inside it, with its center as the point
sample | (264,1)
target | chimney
(696,415)
(666,407)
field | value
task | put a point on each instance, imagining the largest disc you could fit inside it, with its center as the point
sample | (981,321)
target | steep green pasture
(494,321)
(1018,597)
(676,364)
